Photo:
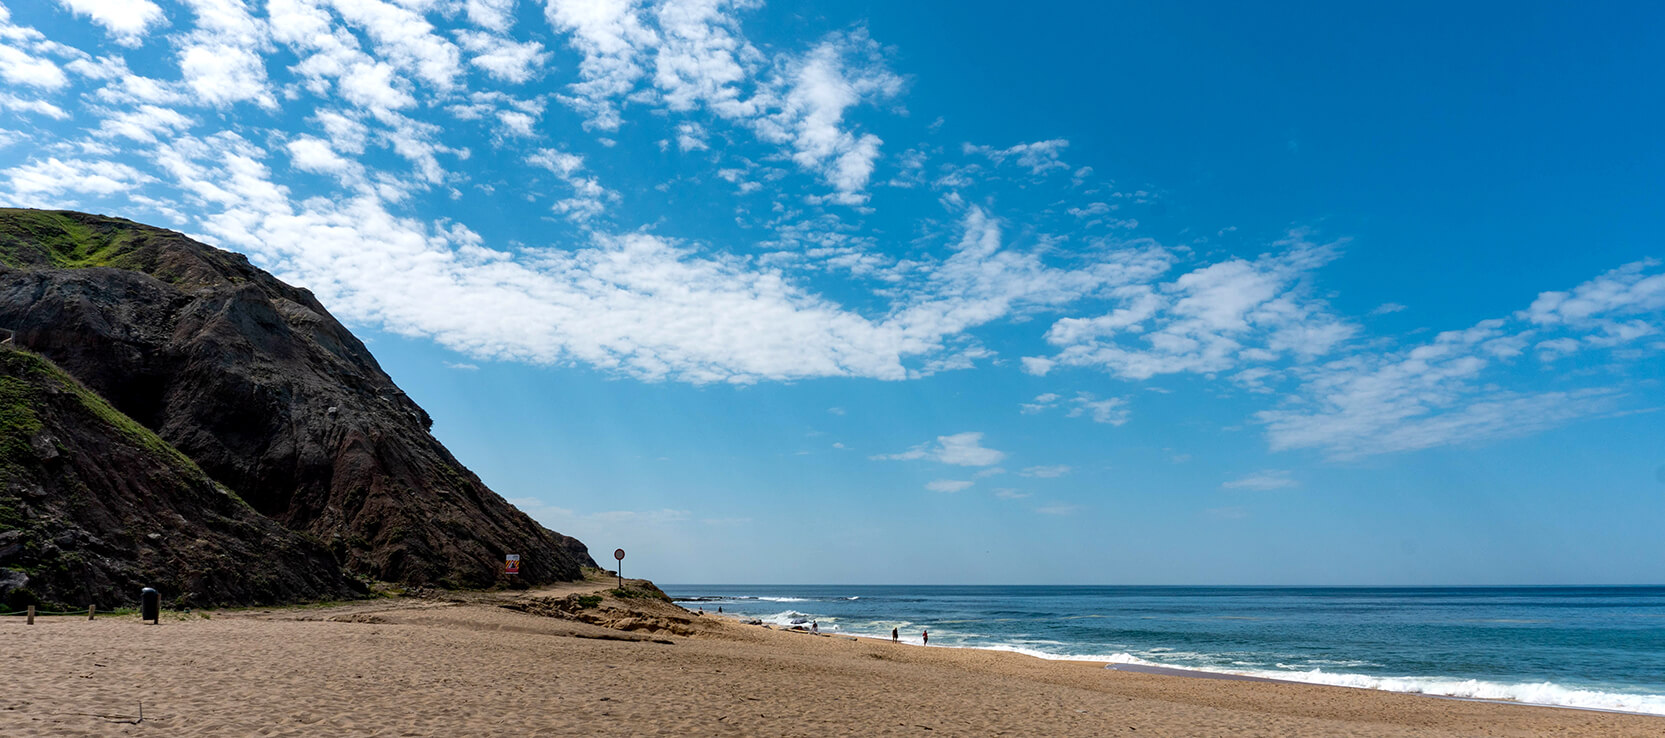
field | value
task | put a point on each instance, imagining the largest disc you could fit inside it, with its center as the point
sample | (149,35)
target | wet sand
(422,667)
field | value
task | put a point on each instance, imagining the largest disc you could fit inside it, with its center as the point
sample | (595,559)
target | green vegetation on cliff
(24,377)
(44,238)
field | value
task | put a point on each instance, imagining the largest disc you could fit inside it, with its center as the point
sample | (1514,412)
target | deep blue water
(1600,647)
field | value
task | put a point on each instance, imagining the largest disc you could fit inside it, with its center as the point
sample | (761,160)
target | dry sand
(420,667)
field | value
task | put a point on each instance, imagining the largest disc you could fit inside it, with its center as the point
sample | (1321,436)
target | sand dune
(421,667)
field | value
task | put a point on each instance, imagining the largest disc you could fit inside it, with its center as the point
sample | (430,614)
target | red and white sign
(511,564)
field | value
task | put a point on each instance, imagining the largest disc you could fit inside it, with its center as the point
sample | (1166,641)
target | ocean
(1588,647)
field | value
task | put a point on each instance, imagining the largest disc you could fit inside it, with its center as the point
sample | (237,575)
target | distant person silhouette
(894,636)
(927,637)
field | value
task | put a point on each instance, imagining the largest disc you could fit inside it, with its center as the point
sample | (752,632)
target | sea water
(1589,647)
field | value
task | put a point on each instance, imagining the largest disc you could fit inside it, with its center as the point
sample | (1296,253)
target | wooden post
(91,609)
(31,616)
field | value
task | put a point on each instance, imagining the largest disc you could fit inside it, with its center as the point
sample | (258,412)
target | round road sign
(618,554)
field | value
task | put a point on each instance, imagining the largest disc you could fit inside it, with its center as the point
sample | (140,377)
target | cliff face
(93,507)
(256,383)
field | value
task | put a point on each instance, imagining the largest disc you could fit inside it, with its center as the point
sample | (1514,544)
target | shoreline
(536,662)
(1180,672)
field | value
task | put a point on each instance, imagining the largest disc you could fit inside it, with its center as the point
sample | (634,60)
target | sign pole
(618,555)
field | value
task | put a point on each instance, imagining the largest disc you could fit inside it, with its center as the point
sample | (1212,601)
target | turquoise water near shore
(1590,647)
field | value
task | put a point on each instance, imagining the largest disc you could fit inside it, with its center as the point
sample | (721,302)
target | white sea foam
(783,599)
(788,618)
(1541,693)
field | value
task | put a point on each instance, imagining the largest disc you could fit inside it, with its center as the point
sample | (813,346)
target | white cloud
(403,37)
(1449,390)
(497,15)
(1038,157)
(836,75)
(1046,472)
(49,183)
(125,20)
(1387,308)
(1007,493)
(1263,480)
(1435,394)
(1041,404)
(691,137)
(1628,290)
(607,33)
(144,123)
(589,199)
(635,303)
(221,61)
(345,132)
(1211,319)
(1058,509)
(503,58)
(702,58)
(310,154)
(221,74)
(960,449)
(948,485)
(22,68)
(1109,411)
(1091,210)
(14,104)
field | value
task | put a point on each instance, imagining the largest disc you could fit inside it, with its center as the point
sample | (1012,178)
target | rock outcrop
(255,382)
(93,507)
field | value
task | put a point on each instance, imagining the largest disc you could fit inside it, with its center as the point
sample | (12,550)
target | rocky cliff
(255,382)
(93,507)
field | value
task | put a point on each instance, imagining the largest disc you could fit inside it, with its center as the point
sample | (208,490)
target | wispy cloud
(1046,472)
(1263,480)
(948,485)
(1209,320)
(961,449)
(1038,157)
(1109,411)
(126,22)
(1451,390)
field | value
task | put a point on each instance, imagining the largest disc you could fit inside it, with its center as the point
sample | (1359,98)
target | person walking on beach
(894,636)
(927,637)
(815,627)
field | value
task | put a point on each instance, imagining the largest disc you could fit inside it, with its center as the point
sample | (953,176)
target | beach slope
(522,664)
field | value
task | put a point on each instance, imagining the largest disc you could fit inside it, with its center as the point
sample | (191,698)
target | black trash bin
(150,605)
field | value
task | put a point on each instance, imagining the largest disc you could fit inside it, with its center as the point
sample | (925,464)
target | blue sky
(1091,293)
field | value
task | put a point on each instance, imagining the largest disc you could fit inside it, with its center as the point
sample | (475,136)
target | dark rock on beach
(269,395)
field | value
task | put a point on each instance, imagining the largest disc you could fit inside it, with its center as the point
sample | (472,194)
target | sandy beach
(521,664)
